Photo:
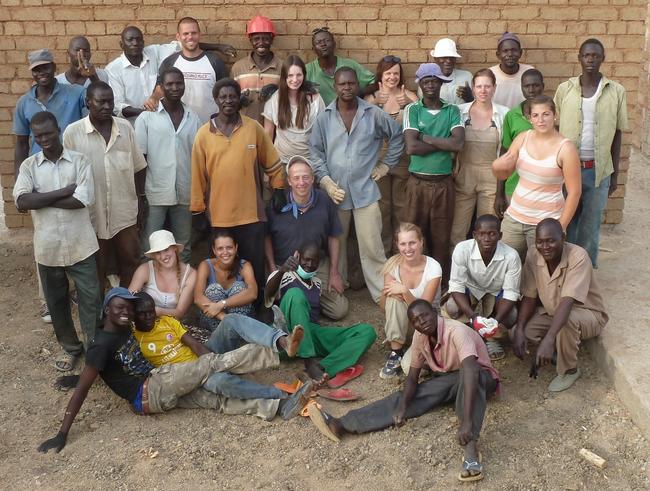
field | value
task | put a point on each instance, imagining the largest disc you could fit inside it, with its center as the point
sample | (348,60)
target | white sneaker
(45,314)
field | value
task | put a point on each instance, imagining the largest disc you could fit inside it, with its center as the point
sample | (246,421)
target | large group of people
(485,195)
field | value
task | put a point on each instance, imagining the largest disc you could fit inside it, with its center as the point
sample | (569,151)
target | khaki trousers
(582,324)
(397,327)
(393,199)
(519,236)
(475,186)
(367,222)
(333,305)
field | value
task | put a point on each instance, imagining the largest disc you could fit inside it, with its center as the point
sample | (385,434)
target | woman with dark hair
(225,284)
(391,95)
(290,113)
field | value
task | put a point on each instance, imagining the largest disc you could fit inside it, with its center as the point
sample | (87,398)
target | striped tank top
(538,194)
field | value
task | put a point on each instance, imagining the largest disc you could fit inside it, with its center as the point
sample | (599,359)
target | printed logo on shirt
(196,76)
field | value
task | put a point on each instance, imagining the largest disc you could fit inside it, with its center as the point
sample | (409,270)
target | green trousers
(340,347)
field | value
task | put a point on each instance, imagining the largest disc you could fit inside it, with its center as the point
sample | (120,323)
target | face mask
(304,274)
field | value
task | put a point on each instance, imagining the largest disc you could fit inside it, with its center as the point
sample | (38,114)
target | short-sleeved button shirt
(437,123)
(573,277)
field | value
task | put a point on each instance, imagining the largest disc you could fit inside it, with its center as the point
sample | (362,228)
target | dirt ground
(530,438)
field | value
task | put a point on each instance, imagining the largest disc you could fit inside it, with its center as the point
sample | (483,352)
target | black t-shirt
(317,224)
(120,362)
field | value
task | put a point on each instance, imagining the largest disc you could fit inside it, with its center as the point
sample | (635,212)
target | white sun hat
(161,240)
(444,48)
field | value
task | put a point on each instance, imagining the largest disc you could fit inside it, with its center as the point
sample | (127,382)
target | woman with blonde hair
(168,280)
(408,275)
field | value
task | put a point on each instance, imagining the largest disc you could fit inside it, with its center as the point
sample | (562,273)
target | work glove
(267,91)
(379,171)
(331,188)
(278,200)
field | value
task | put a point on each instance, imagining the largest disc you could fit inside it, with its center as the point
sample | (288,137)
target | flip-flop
(288,388)
(320,419)
(338,395)
(66,362)
(473,465)
(345,376)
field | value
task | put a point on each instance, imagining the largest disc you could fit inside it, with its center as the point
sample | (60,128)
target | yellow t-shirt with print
(163,343)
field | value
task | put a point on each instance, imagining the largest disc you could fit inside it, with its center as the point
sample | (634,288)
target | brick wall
(551,31)
(644,98)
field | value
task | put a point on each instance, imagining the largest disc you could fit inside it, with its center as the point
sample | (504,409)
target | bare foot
(316,372)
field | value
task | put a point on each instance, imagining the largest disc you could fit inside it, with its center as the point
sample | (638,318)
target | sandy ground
(530,439)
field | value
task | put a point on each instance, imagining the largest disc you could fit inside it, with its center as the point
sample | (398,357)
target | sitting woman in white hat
(169,281)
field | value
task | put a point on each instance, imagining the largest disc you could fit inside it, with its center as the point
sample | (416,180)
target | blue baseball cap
(120,292)
(430,70)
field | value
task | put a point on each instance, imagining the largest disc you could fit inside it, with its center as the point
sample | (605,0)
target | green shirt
(316,74)
(437,123)
(611,116)
(514,123)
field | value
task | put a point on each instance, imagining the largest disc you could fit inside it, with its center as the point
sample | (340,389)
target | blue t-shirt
(67,103)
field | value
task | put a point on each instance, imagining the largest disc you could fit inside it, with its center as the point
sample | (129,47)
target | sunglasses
(392,59)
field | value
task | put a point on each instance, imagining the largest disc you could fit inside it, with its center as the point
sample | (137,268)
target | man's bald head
(131,30)
(550,226)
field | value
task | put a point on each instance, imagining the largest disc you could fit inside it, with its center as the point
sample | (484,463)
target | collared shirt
(113,165)
(508,92)
(432,122)
(349,158)
(67,103)
(469,271)
(459,78)
(132,85)
(251,78)
(455,342)
(514,123)
(169,154)
(101,74)
(498,115)
(227,173)
(573,277)
(611,115)
(326,82)
(61,237)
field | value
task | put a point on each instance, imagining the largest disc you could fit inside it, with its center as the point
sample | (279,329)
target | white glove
(331,188)
(379,171)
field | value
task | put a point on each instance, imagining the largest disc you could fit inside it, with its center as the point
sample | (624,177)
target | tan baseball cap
(39,57)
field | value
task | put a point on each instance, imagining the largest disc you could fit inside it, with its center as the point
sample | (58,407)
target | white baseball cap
(444,48)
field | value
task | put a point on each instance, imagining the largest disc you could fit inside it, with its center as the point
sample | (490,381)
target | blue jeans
(234,331)
(180,224)
(584,229)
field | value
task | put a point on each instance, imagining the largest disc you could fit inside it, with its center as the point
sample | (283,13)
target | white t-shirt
(292,140)
(459,78)
(508,92)
(431,271)
(587,151)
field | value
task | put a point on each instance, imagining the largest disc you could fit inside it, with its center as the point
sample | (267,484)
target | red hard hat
(259,24)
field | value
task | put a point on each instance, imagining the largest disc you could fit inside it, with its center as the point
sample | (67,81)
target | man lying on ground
(115,356)
(465,377)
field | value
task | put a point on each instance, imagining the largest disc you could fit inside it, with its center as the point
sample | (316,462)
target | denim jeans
(180,224)
(234,331)
(584,229)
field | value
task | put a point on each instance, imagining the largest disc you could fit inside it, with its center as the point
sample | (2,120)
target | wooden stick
(592,458)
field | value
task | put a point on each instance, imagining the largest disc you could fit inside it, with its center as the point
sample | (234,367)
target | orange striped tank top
(538,194)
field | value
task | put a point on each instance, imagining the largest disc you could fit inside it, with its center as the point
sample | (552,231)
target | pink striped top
(538,194)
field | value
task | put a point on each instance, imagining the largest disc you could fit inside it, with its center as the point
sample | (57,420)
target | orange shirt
(227,173)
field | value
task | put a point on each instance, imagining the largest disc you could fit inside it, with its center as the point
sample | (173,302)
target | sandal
(338,395)
(495,350)
(471,466)
(66,362)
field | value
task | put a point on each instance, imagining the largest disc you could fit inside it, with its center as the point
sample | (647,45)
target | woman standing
(408,275)
(475,185)
(291,111)
(392,97)
(545,161)
(225,284)
(168,280)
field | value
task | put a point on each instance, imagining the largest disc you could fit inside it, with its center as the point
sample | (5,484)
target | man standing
(433,132)
(229,155)
(562,303)
(309,217)
(119,171)
(516,121)
(509,71)
(165,137)
(261,67)
(57,185)
(322,69)
(200,68)
(345,145)
(459,89)
(464,376)
(81,71)
(592,112)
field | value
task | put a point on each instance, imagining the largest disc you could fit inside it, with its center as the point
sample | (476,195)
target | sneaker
(392,365)
(279,321)
(563,382)
(45,314)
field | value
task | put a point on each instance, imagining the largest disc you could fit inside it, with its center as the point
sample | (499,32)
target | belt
(587,164)
(145,397)
(430,177)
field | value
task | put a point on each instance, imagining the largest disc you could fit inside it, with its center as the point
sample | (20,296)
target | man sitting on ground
(299,291)
(116,358)
(560,277)
(485,275)
(466,377)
